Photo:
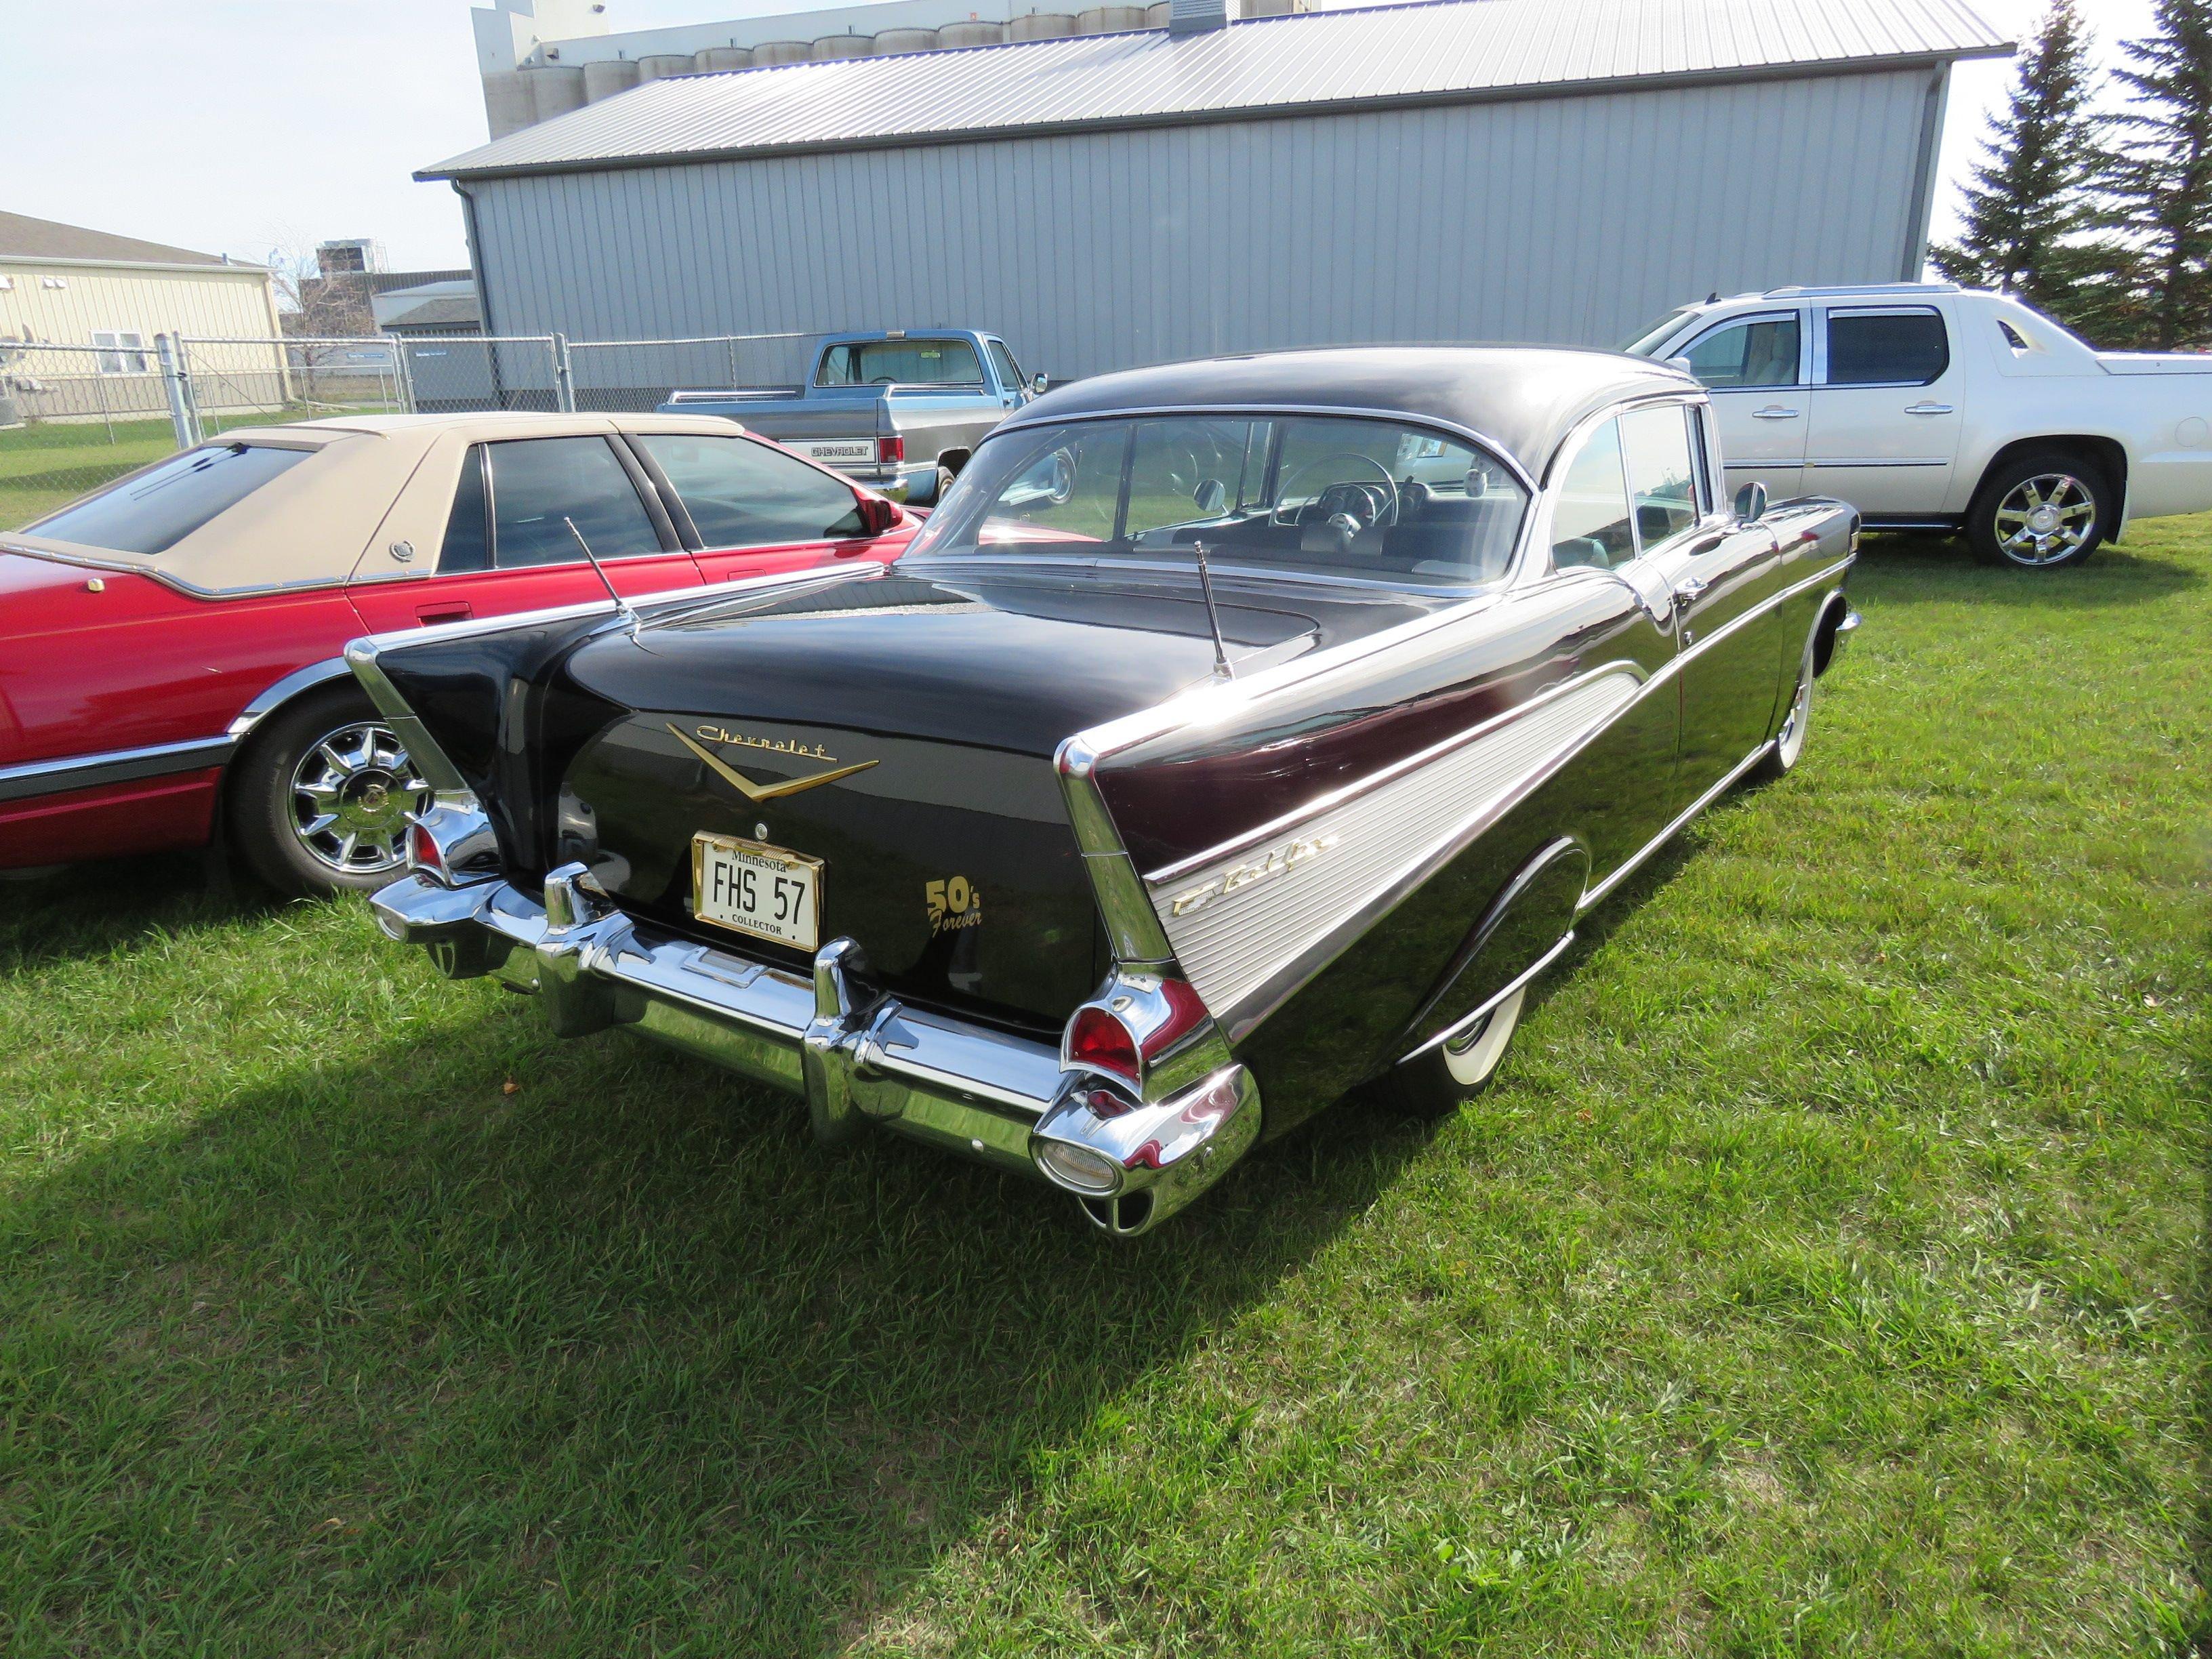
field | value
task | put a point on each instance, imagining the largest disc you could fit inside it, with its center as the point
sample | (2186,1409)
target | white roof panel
(1440,52)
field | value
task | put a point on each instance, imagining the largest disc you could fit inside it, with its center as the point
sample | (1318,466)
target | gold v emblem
(761,792)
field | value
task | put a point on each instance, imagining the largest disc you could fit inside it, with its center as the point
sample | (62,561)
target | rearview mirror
(1685,365)
(1751,503)
(1211,495)
(878,515)
(1041,383)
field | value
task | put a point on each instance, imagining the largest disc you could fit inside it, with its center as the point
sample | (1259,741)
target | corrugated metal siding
(1448,48)
(1570,220)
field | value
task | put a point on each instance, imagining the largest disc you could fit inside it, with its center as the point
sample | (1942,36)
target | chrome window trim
(54,777)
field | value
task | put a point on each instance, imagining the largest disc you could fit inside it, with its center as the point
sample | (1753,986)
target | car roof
(1524,400)
(311,525)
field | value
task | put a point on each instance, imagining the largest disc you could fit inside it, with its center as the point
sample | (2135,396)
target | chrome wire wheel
(2045,519)
(353,795)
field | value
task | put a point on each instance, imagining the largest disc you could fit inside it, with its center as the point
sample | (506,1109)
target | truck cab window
(901,363)
(1887,348)
(1761,351)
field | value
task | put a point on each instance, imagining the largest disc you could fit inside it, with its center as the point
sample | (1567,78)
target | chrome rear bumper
(855,1055)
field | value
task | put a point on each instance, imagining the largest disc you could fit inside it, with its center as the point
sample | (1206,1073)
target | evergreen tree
(2159,177)
(2030,193)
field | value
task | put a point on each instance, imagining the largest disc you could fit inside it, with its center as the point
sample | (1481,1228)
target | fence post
(174,379)
(564,379)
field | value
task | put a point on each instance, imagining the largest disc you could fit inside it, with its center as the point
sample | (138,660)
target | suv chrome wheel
(353,794)
(2045,519)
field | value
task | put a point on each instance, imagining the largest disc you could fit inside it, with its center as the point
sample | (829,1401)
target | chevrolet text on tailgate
(1236,733)
(900,410)
(1932,407)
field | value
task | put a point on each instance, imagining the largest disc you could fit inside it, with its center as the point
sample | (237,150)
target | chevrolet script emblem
(763,791)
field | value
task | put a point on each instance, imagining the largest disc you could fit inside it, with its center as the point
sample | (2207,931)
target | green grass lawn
(1825,1273)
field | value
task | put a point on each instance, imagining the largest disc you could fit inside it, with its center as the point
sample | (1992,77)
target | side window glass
(1009,370)
(466,547)
(1662,472)
(741,494)
(1760,353)
(1590,518)
(1889,348)
(537,482)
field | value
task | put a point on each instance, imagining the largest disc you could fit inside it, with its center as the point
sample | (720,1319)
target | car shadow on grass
(97,909)
(574,1344)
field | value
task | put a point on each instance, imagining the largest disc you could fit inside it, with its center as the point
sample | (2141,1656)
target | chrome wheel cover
(352,796)
(2045,519)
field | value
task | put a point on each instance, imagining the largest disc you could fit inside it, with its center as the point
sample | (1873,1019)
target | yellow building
(106,297)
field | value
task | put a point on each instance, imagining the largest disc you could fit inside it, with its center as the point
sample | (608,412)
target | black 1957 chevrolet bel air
(1237,732)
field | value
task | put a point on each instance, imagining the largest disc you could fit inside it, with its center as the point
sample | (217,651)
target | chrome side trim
(1248,949)
(1597,894)
(299,680)
(1522,982)
(55,777)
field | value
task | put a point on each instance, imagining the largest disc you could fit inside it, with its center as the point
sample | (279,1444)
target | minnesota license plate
(847,451)
(755,889)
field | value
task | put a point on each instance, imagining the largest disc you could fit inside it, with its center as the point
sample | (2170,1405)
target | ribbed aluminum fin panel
(1444,48)
(1233,945)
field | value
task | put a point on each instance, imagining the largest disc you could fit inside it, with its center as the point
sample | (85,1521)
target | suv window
(1661,474)
(1887,348)
(1760,351)
(151,512)
(1590,523)
(741,494)
(901,363)
(535,483)
(1009,370)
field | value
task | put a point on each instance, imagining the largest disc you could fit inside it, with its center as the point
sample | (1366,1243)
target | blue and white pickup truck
(898,409)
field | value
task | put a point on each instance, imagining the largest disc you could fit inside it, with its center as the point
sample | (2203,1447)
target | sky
(245,126)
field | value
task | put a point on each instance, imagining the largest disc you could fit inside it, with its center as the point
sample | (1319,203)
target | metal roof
(1446,51)
(22,237)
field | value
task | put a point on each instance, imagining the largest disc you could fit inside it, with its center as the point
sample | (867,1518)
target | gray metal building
(1555,170)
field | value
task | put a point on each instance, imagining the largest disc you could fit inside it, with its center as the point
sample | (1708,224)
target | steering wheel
(1380,502)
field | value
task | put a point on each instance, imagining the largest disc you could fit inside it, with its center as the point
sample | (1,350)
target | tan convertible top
(377,490)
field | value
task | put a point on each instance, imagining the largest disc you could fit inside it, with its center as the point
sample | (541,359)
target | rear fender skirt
(1530,914)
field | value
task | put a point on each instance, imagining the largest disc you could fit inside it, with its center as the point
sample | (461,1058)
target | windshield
(1647,341)
(151,512)
(1339,495)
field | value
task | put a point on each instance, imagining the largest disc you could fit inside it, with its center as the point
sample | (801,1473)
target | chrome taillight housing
(1133,1027)
(453,845)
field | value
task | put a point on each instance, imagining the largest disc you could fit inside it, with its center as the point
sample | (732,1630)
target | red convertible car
(170,645)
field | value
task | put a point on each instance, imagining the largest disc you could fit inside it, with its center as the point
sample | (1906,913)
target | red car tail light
(424,854)
(888,450)
(1132,1024)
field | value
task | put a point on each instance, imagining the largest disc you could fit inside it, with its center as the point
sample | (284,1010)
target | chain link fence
(75,418)
(634,376)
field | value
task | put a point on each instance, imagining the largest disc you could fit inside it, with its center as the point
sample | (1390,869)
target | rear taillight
(1129,1027)
(424,855)
(888,450)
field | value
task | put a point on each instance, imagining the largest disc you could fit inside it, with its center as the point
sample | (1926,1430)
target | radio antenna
(623,606)
(1222,670)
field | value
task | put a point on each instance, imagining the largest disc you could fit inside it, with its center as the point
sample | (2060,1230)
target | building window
(121,351)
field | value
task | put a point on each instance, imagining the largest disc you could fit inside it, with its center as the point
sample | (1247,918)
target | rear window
(901,363)
(152,510)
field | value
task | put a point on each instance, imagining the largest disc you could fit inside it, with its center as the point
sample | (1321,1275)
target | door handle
(1688,590)
(1776,413)
(451,610)
(1931,408)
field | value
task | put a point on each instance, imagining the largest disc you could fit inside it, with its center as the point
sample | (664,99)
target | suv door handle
(1931,408)
(1688,590)
(1774,412)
